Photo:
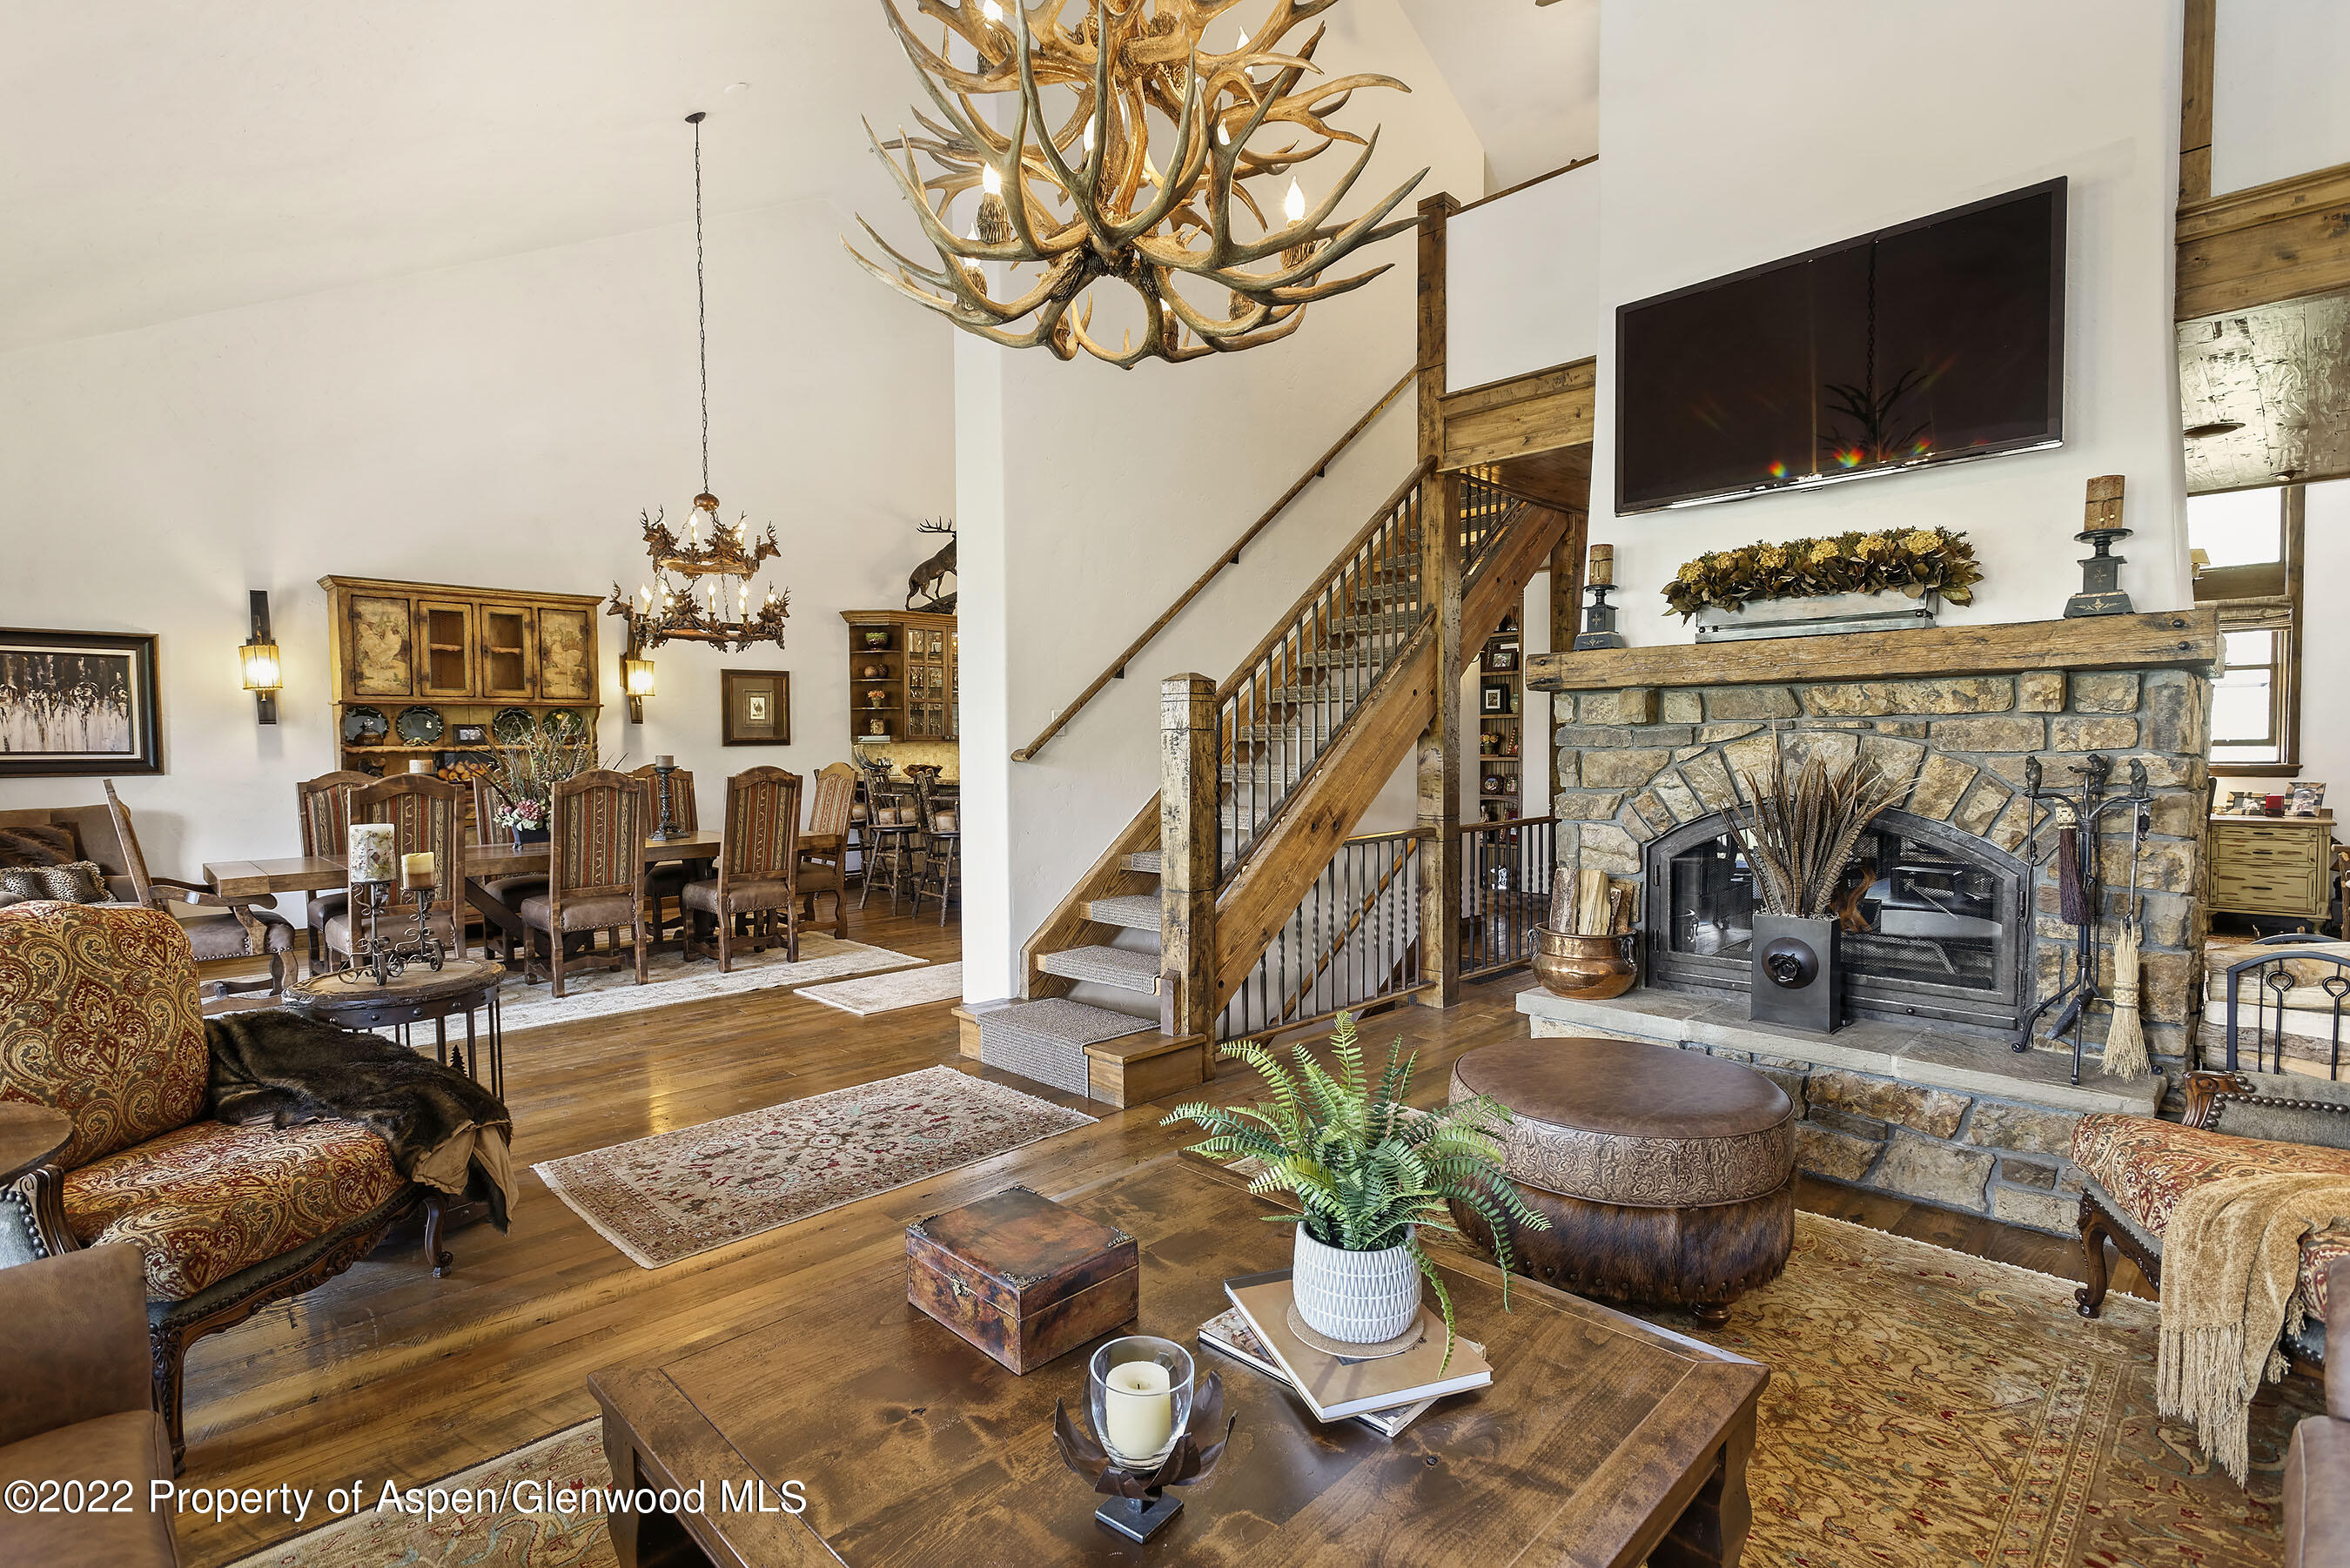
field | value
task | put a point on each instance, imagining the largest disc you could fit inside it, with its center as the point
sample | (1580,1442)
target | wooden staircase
(1122,1000)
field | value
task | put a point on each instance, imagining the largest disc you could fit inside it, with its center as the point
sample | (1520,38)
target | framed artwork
(1494,697)
(2308,799)
(77,703)
(755,707)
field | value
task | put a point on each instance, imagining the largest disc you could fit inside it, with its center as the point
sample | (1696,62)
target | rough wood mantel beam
(2189,638)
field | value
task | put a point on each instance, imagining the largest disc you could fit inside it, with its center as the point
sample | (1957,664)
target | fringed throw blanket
(2230,1257)
(277,1066)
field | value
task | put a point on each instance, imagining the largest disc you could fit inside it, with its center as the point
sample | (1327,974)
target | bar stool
(941,863)
(891,861)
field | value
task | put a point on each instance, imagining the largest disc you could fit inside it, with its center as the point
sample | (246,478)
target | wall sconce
(264,676)
(635,681)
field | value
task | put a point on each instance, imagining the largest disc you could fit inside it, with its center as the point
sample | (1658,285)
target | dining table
(248,879)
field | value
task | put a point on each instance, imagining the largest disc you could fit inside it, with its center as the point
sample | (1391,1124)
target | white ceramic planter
(1361,1298)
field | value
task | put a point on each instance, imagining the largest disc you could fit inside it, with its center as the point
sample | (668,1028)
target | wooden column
(1440,577)
(2195,102)
(1189,813)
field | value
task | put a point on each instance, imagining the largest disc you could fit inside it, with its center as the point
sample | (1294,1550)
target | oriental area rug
(888,992)
(1926,1409)
(608,992)
(676,1194)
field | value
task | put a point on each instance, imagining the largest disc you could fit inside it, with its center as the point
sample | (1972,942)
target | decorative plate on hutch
(564,721)
(512,725)
(364,726)
(419,725)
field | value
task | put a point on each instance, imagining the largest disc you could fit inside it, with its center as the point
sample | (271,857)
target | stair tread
(1147,861)
(1064,1022)
(1119,967)
(1134,911)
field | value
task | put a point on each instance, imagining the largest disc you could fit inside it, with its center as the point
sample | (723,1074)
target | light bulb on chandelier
(732,551)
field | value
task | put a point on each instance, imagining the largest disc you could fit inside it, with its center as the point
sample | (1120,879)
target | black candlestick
(1599,622)
(2101,592)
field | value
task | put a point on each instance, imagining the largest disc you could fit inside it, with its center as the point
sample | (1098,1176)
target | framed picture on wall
(755,707)
(1494,697)
(77,703)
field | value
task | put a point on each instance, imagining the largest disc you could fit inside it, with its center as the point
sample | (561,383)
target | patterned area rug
(482,1536)
(888,992)
(1926,1406)
(608,993)
(676,1194)
(1925,1409)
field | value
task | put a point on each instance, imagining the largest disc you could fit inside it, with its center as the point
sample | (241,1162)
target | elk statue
(925,580)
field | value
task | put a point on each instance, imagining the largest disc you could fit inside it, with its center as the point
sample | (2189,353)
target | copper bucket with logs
(1582,953)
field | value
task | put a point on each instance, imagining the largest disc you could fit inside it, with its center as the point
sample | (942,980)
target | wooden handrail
(1321,585)
(1231,558)
(1522,185)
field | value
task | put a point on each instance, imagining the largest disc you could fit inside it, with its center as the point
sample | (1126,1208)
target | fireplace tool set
(2080,885)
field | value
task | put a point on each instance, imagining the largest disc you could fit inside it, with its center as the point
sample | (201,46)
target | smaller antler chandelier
(1122,67)
(689,598)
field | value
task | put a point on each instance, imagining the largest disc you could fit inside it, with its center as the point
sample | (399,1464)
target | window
(2247,550)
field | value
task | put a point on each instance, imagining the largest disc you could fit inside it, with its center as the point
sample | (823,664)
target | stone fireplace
(1951,911)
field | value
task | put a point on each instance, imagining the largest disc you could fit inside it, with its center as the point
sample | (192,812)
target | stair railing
(1506,891)
(1354,942)
(1281,709)
(1231,558)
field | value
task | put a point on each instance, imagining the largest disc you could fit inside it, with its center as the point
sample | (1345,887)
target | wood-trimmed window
(2247,546)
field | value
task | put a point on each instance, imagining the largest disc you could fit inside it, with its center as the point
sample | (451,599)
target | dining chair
(941,853)
(595,873)
(758,865)
(424,814)
(217,928)
(665,880)
(508,893)
(325,814)
(824,851)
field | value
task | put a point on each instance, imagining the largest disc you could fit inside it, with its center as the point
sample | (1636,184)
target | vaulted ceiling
(169,158)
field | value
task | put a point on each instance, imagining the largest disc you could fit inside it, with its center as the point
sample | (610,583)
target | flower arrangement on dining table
(1911,561)
(527,771)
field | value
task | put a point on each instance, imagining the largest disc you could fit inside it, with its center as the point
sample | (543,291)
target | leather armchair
(77,1403)
(2317,1466)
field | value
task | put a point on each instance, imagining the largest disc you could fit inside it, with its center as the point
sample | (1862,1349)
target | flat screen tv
(1928,343)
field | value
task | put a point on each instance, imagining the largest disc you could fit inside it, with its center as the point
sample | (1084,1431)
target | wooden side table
(460,987)
(416,995)
(30,1136)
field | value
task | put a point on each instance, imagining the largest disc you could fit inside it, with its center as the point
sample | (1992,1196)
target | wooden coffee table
(1602,1440)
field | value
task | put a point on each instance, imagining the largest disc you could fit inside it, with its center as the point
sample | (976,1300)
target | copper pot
(1589,969)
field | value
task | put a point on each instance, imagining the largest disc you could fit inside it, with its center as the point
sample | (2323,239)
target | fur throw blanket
(278,1067)
(2231,1268)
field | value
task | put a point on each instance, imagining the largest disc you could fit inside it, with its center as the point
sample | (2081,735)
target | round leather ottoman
(1667,1177)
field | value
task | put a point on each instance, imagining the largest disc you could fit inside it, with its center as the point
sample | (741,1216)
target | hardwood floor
(386,1373)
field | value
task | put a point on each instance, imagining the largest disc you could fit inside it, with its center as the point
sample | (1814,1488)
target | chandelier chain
(700,304)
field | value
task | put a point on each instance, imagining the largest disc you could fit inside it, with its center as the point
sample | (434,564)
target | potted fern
(1368,1171)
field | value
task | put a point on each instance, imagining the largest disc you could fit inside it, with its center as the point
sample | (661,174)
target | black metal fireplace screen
(1937,923)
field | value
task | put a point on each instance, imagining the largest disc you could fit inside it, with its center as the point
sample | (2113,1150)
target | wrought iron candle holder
(671,829)
(384,957)
(2101,590)
(1137,1506)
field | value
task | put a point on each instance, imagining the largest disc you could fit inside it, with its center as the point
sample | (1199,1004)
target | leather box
(1019,1277)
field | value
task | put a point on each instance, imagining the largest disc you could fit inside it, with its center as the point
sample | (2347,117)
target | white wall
(497,424)
(2324,646)
(2279,106)
(1119,488)
(1740,133)
(1522,282)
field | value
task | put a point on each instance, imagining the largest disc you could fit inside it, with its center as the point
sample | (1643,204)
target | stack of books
(1384,1395)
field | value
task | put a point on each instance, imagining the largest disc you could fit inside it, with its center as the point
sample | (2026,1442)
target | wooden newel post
(1440,579)
(1188,809)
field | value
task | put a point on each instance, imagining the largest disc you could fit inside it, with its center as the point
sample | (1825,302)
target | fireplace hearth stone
(1940,1116)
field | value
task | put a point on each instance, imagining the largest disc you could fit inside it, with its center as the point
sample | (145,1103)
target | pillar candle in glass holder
(416,870)
(1603,566)
(370,851)
(1138,1414)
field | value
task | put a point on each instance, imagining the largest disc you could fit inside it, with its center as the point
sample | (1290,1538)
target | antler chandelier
(696,609)
(1129,70)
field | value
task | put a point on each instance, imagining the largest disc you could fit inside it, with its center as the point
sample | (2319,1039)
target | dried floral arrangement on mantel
(1912,562)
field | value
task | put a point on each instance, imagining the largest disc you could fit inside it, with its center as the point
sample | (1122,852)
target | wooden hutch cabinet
(902,677)
(470,654)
